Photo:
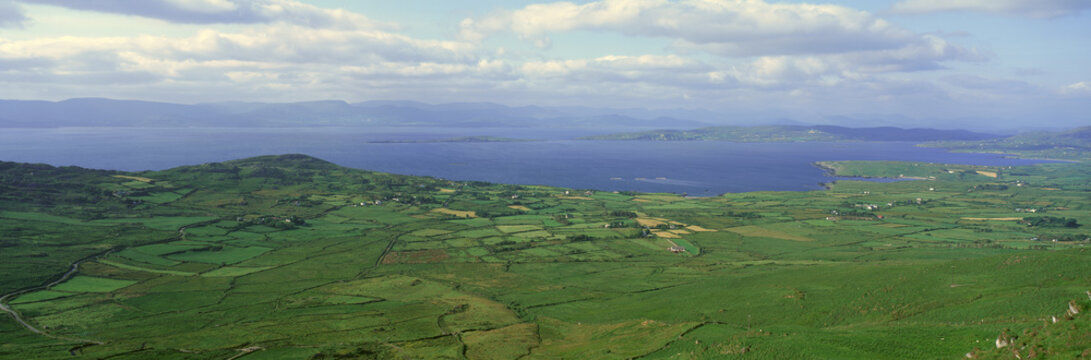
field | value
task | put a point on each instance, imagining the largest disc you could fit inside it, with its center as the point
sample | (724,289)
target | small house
(677,249)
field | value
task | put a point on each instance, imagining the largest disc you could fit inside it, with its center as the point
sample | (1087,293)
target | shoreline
(464,139)
(1006,155)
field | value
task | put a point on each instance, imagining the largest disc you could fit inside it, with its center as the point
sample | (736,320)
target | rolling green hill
(294,257)
(1070,144)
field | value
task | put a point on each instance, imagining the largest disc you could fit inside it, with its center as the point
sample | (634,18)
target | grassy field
(91,284)
(293,257)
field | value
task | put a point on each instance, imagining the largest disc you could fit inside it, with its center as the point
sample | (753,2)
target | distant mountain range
(798,133)
(96,112)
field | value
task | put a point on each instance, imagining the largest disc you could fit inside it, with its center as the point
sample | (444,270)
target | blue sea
(695,168)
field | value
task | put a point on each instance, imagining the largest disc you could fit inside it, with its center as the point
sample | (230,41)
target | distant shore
(463,139)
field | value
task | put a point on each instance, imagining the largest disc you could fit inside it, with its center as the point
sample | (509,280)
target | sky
(1007,64)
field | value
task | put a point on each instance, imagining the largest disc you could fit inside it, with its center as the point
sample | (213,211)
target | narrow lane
(19,317)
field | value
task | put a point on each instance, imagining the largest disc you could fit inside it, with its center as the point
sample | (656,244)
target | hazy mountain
(103,112)
(97,112)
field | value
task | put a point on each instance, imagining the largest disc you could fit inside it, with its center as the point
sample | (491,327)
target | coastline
(1005,154)
(467,139)
(829,171)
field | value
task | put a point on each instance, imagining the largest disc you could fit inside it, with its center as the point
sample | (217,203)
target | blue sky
(1002,64)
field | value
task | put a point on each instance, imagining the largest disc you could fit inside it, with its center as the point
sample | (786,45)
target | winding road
(19,317)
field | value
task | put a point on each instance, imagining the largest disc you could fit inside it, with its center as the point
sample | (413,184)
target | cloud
(723,27)
(269,62)
(925,53)
(224,12)
(660,70)
(11,14)
(745,55)
(644,76)
(1080,89)
(982,86)
(763,73)
(269,44)
(732,29)
(1028,8)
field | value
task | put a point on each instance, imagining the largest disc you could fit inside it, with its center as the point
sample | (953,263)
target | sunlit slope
(294,257)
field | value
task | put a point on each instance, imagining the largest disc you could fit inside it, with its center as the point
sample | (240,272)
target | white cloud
(738,29)
(225,12)
(925,53)
(1082,88)
(745,54)
(269,62)
(268,44)
(1029,8)
(650,70)
(205,6)
(724,27)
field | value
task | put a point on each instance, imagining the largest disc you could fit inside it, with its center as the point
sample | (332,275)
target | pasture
(276,256)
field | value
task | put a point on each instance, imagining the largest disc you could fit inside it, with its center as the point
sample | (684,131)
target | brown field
(699,229)
(987,173)
(458,213)
(757,231)
(665,198)
(665,234)
(442,190)
(573,197)
(137,178)
(650,222)
(519,207)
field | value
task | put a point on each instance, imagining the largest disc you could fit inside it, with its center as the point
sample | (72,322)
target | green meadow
(294,257)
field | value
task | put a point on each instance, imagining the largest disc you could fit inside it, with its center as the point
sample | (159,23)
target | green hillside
(1070,144)
(294,257)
